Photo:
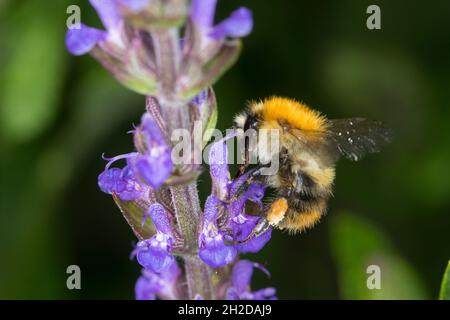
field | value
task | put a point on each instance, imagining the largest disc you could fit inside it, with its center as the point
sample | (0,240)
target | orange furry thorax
(291,112)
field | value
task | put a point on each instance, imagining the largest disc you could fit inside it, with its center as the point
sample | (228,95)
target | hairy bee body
(309,146)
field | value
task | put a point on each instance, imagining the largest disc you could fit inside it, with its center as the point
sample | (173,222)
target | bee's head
(246,120)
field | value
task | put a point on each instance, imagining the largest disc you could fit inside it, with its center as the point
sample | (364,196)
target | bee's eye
(251,122)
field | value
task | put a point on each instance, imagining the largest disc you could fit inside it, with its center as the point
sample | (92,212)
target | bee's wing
(353,138)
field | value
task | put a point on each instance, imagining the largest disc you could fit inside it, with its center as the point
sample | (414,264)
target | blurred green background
(59,113)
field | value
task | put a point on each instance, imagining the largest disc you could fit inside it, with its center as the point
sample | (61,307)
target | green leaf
(356,245)
(444,294)
(133,212)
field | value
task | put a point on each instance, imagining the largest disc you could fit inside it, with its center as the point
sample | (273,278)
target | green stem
(185,199)
(188,212)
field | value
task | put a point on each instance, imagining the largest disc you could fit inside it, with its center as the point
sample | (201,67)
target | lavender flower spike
(149,48)
(155,253)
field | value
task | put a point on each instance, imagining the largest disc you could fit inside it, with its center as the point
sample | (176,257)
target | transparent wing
(354,138)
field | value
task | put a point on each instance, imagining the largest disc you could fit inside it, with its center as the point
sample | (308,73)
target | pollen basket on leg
(277,211)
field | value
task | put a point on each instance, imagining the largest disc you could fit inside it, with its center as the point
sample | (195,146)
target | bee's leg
(277,211)
(273,217)
(255,174)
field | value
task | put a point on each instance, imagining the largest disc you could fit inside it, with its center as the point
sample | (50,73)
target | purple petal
(211,210)
(202,13)
(147,287)
(236,184)
(108,179)
(242,276)
(172,273)
(264,294)
(242,231)
(155,165)
(239,24)
(132,188)
(255,193)
(122,182)
(160,218)
(231,294)
(214,252)
(82,40)
(218,168)
(134,5)
(155,168)
(108,12)
(156,253)
(151,131)
(151,284)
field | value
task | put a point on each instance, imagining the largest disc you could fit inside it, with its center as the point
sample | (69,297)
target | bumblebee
(309,147)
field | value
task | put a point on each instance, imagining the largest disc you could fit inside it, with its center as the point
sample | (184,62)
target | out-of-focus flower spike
(119,48)
(210,50)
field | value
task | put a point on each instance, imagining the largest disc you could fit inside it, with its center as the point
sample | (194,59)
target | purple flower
(156,253)
(212,248)
(240,283)
(83,39)
(154,165)
(218,169)
(150,285)
(241,230)
(122,182)
(240,223)
(239,24)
